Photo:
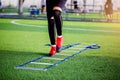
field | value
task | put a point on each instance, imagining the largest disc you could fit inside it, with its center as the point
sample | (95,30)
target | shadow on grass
(19,56)
(21,52)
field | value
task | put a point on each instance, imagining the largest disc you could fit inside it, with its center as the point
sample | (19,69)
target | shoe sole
(58,49)
(51,55)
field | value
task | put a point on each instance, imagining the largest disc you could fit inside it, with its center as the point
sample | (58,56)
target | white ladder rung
(63,54)
(70,50)
(52,58)
(78,48)
(41,63)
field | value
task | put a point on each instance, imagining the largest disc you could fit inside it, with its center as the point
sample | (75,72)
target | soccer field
(23,40)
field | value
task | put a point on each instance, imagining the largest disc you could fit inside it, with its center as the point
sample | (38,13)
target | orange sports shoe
(53,50)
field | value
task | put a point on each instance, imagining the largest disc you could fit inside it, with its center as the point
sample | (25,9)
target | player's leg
(43,9)
(52,35)
(51,28)
(111,17)
(58,21)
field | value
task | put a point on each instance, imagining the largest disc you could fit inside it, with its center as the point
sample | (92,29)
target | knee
(57,13)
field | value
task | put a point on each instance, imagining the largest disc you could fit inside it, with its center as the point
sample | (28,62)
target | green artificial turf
(22,43)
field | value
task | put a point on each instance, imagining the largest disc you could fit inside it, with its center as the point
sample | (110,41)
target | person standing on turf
(0,5)
(54,10)
(43,6)
(109,10)
(75,3)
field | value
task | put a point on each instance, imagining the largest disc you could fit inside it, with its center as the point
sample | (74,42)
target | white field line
(76,29)
(15,22)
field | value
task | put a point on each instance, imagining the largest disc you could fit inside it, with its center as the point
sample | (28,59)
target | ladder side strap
(66,58)
(64,48)
(31,61)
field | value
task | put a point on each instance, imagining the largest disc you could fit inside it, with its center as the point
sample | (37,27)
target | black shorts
(52,3)
(75,6)
(108,11)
